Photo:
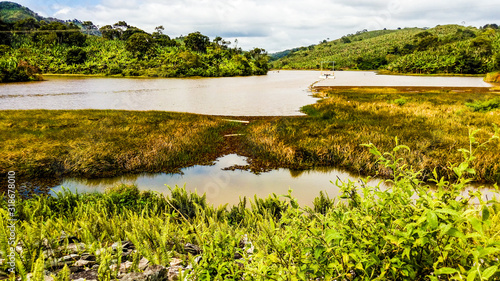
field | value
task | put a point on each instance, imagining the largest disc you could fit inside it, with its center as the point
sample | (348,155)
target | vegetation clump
(121,49)
(485,105)
(104,143)
(446,49)
(408,231)
(434,123)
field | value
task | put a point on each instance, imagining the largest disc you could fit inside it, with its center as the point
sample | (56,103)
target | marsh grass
(435,124)
(406,232)
(103,143)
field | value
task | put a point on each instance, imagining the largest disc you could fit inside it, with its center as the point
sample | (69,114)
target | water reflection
(226,186)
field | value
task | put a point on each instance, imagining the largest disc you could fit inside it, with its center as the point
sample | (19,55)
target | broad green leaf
(476,224)
(488,251)
(472,274)
(486,213)
(432,219)
(487,273)
(445,270)
(332,234)
(447,211)
(455,233)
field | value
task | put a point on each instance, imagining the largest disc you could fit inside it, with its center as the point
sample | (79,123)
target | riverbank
(42,145)
(434,124)
(47,145)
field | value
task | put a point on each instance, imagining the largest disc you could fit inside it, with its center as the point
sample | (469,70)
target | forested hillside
(30,47)
(442,49)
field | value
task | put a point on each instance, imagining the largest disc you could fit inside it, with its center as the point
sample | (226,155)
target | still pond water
(276,94)
(227,186)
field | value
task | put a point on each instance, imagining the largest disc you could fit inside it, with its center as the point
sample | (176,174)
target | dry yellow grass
(433,124)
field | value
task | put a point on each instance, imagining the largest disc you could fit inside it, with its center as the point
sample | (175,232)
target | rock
(124,267)
(175,262)
(58,264)
(74,269)
(29,277)
(152,273)
(133,276)
(88,257)
(143,263)
(88,275)
(84,263)
(126,246)
(126,254)
(72,257)
(245,243)
(192,249)
(71,239)
(74,247)
(156,273)
(173,273)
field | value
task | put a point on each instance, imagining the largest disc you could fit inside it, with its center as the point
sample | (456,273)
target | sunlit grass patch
(435,124)
(96,143)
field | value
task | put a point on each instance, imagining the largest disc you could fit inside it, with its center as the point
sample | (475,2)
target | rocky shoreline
(83,265)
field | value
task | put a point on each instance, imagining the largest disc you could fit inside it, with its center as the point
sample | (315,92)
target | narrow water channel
(227,186)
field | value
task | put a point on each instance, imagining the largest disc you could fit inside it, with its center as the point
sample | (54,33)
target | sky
(274,25)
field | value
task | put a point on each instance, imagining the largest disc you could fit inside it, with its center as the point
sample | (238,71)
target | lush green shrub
(76,56)
(485,105)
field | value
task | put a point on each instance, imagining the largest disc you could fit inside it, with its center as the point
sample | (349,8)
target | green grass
(406,232)
(434,124)
(448,49)
(99,143)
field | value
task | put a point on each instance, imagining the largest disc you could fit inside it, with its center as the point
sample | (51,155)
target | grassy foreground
(434,124)
(371,234)
(99,143)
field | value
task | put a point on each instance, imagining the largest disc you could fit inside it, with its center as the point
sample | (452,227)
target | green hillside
(30,47)
(442,49)
(11,12)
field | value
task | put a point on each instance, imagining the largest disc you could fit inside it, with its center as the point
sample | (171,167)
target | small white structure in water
(327,74)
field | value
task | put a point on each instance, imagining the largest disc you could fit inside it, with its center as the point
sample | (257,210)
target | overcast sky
(274,25)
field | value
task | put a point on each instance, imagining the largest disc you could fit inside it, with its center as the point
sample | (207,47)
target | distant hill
(344,51)
(12,12)
(442,49)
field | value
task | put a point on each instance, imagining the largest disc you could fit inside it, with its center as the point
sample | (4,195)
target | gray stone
(152,273)
(143,263)
(192,249)
(133,276)
(173,273)
(88,257)
(88,275)
(72,257)
(84,263)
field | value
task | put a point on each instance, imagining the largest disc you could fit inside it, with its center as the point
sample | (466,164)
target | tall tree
(197,42)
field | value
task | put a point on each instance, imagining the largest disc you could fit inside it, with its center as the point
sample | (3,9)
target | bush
(484,106)
(76,56)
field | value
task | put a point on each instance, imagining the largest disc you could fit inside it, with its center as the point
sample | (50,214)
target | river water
(276,94)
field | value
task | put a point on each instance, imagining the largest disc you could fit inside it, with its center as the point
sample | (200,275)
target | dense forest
(442,49)
(30,47)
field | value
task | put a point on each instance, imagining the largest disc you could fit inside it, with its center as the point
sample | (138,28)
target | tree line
(119,49)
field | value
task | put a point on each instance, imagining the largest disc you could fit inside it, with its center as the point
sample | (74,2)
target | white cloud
(273,24)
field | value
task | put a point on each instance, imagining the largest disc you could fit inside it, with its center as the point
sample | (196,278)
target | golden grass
(92,143)
(433,124)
